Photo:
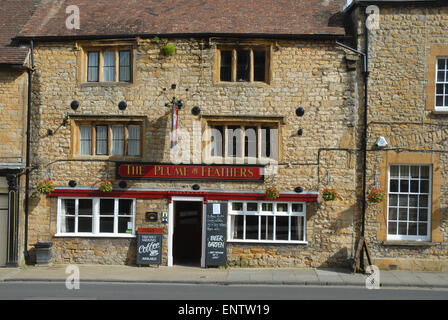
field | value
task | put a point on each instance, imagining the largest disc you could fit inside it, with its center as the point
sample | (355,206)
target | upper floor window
(442,84)
(108,64)
(108,138)
(243,64)
(251,143)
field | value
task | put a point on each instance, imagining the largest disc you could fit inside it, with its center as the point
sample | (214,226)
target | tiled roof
(186,17)
(13,15)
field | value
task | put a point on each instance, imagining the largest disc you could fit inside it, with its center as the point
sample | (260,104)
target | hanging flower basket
(330,195)
(272,193)
(45,186)
(105,186)
(376,196)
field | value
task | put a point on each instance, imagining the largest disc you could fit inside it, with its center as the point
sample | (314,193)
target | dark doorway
(187,238)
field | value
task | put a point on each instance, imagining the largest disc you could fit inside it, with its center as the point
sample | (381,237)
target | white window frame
(444,83)
(95,219)
(417,237)
(259,213)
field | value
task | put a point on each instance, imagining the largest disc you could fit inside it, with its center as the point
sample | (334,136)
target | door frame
(171,227)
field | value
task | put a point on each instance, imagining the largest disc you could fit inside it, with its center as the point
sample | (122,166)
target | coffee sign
(149,249)
(189,172)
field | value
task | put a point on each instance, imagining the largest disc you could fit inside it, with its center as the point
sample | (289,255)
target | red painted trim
(169,194)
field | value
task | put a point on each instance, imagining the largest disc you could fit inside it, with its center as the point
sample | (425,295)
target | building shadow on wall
(157,138)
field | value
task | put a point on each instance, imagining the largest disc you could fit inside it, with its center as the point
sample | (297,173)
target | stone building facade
(405,89)
(259,108)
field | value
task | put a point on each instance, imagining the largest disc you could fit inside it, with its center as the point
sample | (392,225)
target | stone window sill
(440,112)
(409,243)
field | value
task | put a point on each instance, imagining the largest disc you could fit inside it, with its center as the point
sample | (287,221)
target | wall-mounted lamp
(122,105)
(72,183)
(298,189)
(123,184)
(74,105)
(196,110)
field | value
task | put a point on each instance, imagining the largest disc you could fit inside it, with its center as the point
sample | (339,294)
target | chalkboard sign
(216,250)
(149,248)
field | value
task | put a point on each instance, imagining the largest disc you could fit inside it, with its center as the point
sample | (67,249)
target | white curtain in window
(109,66)
(101,140)
(86,139)
(92,66)
(134,140)
(125,69)
(117,140)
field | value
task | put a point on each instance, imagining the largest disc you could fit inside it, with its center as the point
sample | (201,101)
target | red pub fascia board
(160,194)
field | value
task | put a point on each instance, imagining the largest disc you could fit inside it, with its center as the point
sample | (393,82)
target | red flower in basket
(376,195)
(272,193)
(330,195)
(105,186)
(45,186)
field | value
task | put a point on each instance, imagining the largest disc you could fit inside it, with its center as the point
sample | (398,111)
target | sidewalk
(230,276)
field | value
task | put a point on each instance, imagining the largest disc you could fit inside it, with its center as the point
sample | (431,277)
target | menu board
(149,249)
(215,246)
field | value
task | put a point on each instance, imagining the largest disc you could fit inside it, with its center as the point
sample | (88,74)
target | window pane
(441,64)
(237,227)
(423,215)
(125,66)
(226,66)
(392,213)
(413,214)
(422,229)
(259,65)
(282,207)
(85,139)
(404,186)
(393,185)
(403,214)
(281,228)
(217,134)
(243,65)
(412,229)
(107,224)
(424,174)
(109,66)
(404,172)
(252,227)
(250,142)
(414,186)
(125,207)
(107,207)
(403,200)
(392,228)
(393,200)
(415,171)
(267,227)
(92,66)
(423,201)
(69,206)
(118,140)
(234,141)
(297,207)
(413,201)
(394,171)
(85,207)
(424,186)
(69,225)
(134,140)
(297,228)
(268,143)
(123,224)
(101,139)
(84,224)
(237,206)
(252,206)
(266,207)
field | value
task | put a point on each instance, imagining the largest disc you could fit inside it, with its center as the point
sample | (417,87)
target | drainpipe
(365,120)
(28,147)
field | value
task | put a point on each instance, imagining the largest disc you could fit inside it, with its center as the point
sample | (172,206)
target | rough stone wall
(310,74)
(398,63)
(13,99)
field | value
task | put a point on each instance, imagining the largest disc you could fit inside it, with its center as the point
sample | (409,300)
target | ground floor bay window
(96,217)
(266,222)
